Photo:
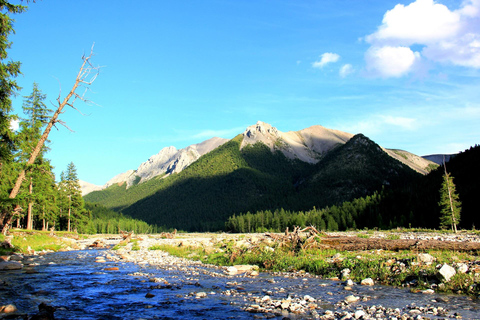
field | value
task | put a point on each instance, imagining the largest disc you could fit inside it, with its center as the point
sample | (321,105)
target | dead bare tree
(85,77)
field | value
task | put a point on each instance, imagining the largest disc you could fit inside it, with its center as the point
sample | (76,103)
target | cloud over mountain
(445,36)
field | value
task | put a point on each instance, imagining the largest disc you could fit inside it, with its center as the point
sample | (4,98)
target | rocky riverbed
(156,285)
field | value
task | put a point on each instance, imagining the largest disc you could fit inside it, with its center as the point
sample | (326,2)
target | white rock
(426,258)
(447,272)
(351,299)
(462,268)
(367,282)
(428,291)
(359,314)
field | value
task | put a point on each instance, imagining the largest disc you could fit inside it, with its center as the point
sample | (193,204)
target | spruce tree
(73,204)
(9,70)
(450,204)
(37,116)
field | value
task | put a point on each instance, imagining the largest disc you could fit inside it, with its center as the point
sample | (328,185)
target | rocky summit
(309,145)
(166,162)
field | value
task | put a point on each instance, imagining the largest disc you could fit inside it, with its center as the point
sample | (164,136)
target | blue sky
(404,73)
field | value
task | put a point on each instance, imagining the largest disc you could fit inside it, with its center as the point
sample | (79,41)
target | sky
(175,73)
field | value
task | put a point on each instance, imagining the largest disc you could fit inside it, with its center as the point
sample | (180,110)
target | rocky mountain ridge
(308,145)
(167,161)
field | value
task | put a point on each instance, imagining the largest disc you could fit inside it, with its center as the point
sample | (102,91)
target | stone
(359,314)
(309,298)
(345,273)
(112,269)
(149,295)
(428,291)
(238,269)
(10,265)
(446,272)
(462,268)
(16,257)
(200,295)
(426,258)
(9,308)
(351,299)
(367,282)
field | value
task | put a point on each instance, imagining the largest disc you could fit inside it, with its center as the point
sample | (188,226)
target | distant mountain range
(308,145)
(199,187)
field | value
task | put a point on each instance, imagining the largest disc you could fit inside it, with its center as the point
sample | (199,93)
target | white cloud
(14,125)
(389,61)
(447,36)
(345,70)
(422,21)
(327,57)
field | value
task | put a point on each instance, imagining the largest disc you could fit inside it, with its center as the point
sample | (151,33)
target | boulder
(45,312)
(10,265)
(367,282)
(446,272)
(9,308)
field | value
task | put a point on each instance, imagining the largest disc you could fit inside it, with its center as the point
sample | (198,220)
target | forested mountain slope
(231,179)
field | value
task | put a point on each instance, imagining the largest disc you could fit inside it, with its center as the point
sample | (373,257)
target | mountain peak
(308,145)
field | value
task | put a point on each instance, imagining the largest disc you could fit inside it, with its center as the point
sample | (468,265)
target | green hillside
(229,181)
(353,170)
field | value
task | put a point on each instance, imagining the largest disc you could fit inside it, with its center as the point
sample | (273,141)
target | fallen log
(355,243)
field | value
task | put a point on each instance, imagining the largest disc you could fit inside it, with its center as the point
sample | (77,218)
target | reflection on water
(81,288)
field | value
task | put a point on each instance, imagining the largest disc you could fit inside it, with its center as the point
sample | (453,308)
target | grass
(35,240)
(385,267)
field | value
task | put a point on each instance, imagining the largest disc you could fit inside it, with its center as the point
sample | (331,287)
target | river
(80,287)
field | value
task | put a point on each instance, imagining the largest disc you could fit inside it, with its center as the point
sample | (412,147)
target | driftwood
(311,238)
(126,235)
(356,243)
(168,235)
(297,239)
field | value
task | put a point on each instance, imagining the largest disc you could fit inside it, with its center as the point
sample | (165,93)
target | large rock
(446,272)
(367,282)
(10,265)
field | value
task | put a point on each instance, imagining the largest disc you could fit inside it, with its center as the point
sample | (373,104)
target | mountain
(87,187)
(261,169)
(439,158)
(308,145)
(168,161)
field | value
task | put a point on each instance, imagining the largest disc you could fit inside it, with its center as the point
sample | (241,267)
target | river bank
(162,277)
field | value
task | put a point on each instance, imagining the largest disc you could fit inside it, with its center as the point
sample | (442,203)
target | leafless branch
(85,77)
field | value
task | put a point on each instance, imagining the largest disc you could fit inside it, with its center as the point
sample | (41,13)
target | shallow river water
(81,288)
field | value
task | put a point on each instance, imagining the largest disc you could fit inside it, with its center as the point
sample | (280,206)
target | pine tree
(450,204)
(9,70)
(8,86)
(30,132)
(73,204)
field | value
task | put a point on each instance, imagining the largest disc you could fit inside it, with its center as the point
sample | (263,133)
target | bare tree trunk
(69,211)
(43,219)
(454,222)
(30,207)
(82,79)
